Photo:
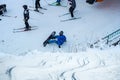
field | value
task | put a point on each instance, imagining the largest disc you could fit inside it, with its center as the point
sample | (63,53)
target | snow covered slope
(97,21)
(23,57)
(89,65)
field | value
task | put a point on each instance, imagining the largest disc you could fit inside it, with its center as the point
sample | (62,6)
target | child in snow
(26,17)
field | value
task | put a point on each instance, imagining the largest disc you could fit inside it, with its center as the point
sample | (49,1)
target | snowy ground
(97,21)
(23,57)
(89,65)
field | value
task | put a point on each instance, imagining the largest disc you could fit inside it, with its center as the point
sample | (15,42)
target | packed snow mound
(89,65)
(23,57)
(96,21)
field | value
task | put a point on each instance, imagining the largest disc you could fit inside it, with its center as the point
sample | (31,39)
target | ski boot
(58,4)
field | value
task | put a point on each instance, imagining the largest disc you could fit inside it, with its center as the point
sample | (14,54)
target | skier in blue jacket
(59,39)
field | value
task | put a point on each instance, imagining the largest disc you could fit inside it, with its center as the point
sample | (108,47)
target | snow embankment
(89,65)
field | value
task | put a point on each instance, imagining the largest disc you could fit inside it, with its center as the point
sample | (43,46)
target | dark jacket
(26,14)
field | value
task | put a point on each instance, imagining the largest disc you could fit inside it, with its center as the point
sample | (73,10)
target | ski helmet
(61,33)
(25,6)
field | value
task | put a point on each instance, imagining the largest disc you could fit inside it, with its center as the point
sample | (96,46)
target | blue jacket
(60,39)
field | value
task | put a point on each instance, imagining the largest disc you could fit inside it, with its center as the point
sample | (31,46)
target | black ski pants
(27,24)
(37,5)
(71,9)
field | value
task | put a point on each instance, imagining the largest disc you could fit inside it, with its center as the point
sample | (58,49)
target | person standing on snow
(72,4)
(26,17)
(59,39)
(37,5)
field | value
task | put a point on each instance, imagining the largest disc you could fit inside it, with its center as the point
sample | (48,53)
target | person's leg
(59,44)
(39,6)
(36,6)
(71,11)
(52,41)
(48,42)
(27,25)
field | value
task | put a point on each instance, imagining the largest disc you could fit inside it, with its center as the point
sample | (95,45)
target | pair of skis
(55,4)
(9,16)
(74,18)
(37,10)
(66,13)
(23,29)
(40,7)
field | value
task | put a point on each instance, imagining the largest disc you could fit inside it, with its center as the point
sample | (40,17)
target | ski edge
(56,5)
(16,31)
(24,27)
(70,19)
(40,8)
(36,11)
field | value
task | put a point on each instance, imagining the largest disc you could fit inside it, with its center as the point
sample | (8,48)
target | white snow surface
(96,21)
(23,57)
(35,65)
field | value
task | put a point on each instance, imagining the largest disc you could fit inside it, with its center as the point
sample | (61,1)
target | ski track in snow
(57,66)
(32,62)
(9,72)
(77,32)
